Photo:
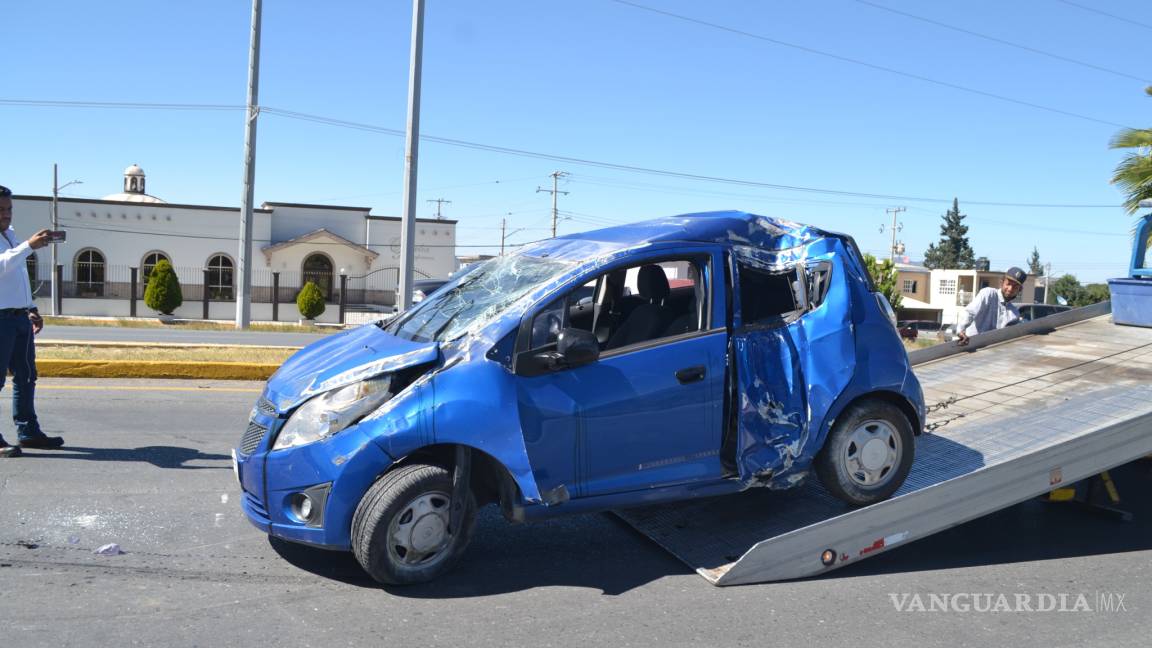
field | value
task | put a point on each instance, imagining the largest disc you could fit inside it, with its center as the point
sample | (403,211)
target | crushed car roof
(731,227)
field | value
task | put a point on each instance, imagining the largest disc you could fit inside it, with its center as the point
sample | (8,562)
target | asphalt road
(147,466)
(176,335)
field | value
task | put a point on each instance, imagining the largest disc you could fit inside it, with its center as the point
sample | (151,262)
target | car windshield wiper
(447,322)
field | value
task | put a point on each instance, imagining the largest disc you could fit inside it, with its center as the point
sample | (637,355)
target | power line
(874,66)
(621,167)
(45,103)
(1001,41)
(1105,13)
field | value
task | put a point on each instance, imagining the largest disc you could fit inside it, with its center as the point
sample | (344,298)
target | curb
(49,368)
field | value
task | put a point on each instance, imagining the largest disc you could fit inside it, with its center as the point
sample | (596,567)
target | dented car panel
(726,344)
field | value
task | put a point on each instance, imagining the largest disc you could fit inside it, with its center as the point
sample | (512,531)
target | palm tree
(1134,173)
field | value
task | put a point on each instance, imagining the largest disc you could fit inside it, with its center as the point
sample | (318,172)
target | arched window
(149,262)
(318,269)
(89,273)
(220,277)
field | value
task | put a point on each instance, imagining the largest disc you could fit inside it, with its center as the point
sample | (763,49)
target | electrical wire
(873,66)
(1001,41)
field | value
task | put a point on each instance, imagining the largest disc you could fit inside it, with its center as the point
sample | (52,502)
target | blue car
(671,359)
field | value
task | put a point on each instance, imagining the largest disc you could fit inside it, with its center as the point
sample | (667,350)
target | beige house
(939,295)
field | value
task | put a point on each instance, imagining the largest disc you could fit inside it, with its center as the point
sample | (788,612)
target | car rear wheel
(868,453)
(402,532)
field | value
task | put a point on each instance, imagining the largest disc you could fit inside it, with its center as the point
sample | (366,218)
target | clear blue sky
(713,92)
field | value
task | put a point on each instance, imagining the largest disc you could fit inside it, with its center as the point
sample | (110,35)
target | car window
(627,306)
(768,297)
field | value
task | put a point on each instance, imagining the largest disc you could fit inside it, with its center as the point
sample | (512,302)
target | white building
(291,243)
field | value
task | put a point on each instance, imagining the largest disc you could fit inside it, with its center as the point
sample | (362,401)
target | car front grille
(252,437)
(266,407)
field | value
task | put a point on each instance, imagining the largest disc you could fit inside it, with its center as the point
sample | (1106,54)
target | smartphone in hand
(57,236)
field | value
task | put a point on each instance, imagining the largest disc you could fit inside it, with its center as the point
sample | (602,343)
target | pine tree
(310,301)
(953,251)
(1035,268)
(163,293)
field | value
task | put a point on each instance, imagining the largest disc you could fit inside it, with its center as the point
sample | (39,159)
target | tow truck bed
(1022,410)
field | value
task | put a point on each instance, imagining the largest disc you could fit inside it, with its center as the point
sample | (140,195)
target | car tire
(867,454)
(401,531)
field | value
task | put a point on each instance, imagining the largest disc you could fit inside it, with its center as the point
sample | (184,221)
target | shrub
(310,301)
(163,292)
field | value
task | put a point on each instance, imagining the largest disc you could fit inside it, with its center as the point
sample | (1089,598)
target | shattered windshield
(475,299)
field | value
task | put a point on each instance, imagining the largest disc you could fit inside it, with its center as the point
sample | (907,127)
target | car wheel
(401,531)
(868,453)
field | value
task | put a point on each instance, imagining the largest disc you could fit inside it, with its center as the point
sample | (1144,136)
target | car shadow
(159,456)
(594,551)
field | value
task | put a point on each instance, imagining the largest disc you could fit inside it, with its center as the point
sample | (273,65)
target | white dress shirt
(15,291)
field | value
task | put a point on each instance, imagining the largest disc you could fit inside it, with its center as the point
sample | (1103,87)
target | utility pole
(1047,280)
(439,202)
(556,175)
(408,226)
(895,211)
(244,285)
(503,236)
(56,187)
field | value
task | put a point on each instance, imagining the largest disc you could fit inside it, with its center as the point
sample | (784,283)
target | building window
(318,269)
(90,273)
(220,277)
(947,286)
(910,285)
(149,262)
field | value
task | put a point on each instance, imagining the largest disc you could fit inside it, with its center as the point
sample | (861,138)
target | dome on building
(133,188)
(133,197)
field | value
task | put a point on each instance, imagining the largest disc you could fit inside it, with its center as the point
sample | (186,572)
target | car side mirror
(577,347)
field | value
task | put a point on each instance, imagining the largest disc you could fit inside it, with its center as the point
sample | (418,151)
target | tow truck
(1019,412)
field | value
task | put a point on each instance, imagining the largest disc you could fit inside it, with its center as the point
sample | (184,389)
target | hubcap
(872,453)
(419,534)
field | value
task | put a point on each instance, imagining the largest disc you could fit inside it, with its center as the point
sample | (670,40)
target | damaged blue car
(677,358)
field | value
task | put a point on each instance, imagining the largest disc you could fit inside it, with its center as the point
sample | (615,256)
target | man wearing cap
(992,308)
(19,321)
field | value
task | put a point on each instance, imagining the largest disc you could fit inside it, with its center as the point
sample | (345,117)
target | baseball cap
(1016,274)
(5,191)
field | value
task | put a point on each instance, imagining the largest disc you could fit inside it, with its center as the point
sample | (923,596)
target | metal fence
(93,279)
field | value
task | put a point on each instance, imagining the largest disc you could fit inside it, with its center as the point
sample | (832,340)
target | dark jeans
(18,354)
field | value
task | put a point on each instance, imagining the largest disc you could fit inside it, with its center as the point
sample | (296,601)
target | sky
(827,112)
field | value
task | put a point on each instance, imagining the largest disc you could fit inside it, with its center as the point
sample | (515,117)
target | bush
(310,301)
(163,293)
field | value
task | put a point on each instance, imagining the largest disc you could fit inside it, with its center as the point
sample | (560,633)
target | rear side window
(768,297)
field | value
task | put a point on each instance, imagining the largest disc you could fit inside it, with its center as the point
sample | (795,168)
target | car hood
(341,360)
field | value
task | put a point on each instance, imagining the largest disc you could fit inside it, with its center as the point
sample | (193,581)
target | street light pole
(56,187)
(412,146)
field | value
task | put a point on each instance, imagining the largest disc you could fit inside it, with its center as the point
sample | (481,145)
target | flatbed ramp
(1021,413)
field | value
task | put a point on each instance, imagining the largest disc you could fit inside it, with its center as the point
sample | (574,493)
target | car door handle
(690,374)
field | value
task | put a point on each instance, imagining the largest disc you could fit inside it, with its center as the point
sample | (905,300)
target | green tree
(310,301)
(163,293)
(953,250)
(1093,294)
(1068,288)
(885,277)
(1035,268)
(1134,173)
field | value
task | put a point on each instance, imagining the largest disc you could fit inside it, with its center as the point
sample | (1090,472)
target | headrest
(652,283)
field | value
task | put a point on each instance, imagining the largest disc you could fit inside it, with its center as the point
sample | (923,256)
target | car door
(644,414)
(793,354)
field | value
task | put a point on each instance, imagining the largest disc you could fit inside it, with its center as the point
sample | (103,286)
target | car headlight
(333,411)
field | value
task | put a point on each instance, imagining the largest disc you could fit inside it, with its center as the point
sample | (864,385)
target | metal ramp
(1020,412)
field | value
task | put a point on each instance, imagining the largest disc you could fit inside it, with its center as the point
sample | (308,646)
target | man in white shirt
(992,308)
(19,322)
